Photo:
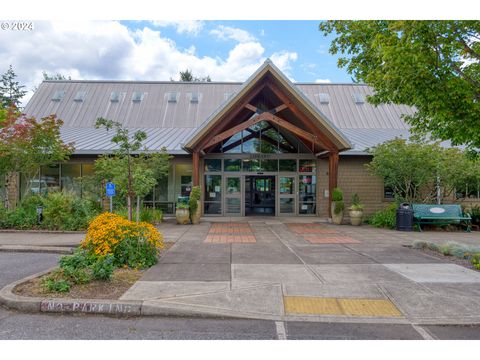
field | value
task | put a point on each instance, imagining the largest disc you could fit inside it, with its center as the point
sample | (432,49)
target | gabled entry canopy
(268,97)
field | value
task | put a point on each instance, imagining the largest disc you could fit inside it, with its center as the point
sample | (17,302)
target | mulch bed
(121,281)
(462,262)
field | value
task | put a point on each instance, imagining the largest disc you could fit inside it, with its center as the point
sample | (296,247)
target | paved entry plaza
(300,268)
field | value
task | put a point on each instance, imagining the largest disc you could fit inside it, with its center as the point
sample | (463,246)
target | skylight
(115,96)
(194,97)
(137,96)
(324,98)
(172,97)
(80,96)
(58,95)
(358,98)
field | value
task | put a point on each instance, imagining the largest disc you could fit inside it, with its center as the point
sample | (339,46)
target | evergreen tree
(11,92)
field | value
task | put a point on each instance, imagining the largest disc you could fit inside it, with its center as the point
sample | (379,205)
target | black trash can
(404,217)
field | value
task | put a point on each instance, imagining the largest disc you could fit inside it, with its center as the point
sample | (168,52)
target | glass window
(183,180)
(50,178)
(306,165)
(287,205)
(286,185)
(233,186)
(307,194)
(213,165)
(213,194)
(251,165)
(388,192)
(288,165)
(161,190)
(270,165)
(71,178)
(233,206)
(232,164)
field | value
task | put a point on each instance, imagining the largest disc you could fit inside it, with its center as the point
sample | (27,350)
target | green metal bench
(424,214)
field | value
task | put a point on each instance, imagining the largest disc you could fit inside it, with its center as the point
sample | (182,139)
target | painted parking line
(340,306)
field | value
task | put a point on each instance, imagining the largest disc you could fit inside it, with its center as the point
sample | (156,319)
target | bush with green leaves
(475,214)
(193,198)
(103,268)
(337,199)
(386,218)
(149,215)
(475,261)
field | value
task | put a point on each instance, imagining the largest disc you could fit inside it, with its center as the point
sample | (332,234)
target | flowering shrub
(132,244)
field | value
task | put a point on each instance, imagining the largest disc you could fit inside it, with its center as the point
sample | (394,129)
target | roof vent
(194,97)
(137,96)
(358,98)
(115,96)
(172,97)
(80,96)
(58,95)
(324,98)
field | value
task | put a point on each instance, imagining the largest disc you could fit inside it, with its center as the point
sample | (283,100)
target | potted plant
(337,206)
(194,202)
(182,213)
(356,211)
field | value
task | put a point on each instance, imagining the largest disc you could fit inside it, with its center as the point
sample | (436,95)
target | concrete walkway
(303,269)
(298,269)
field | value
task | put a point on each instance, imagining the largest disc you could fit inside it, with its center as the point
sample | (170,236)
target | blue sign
(110,188)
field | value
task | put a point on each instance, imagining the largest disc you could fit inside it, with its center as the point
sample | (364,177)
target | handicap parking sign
(110,189)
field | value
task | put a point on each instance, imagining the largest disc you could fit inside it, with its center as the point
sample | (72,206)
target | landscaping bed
(121,280)
(466,256)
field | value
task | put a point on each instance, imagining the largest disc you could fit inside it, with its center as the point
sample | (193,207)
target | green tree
(27,144)
(414,169)
(56,76)
(11,92)
(134,171)
(431,65)
(188,76)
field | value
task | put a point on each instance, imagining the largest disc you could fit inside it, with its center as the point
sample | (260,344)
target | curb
(37,249)
(41,231)
(126,308)
(56,305)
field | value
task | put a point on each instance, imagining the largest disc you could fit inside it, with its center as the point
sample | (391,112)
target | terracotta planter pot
(356,217)
(197,214)
(183,216)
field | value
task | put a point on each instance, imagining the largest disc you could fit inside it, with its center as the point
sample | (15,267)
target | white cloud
(192,27)
(229,33)
(109,50)
(323,81)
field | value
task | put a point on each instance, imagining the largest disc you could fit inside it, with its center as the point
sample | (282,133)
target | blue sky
(301,37)
(158,50)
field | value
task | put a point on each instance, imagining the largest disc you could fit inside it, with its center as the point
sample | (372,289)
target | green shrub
(433,247)
(135,253)
(194,197)
(386,218)
(103,268)
(475,214)
(445,249)
(356,205)
(475,260)
(152,216)
(56,283)
(181,205)
(338,207)
(337,194)
(418,244)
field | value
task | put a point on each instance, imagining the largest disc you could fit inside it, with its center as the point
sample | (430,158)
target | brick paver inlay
(310,229)
(227,233)
(316,239)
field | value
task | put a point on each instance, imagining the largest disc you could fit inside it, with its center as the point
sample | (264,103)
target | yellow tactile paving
(369,307)
(311,305)
(334,306)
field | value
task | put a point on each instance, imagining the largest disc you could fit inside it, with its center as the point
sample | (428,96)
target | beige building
(263,147)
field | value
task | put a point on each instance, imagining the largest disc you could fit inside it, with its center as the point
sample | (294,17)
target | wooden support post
(196,168)
(332,177)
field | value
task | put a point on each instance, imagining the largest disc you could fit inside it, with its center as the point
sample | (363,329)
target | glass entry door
(233,198)
(259,195)
(286,192)
(307,196)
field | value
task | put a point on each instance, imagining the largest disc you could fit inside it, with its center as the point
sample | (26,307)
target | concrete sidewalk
(289,269)
(308,271)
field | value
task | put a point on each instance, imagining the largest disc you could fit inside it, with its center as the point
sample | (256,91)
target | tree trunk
(129,207)
(138,209)
(129,190)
